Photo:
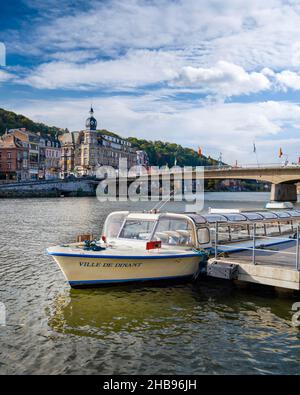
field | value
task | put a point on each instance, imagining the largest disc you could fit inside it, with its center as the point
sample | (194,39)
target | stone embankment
(50,188)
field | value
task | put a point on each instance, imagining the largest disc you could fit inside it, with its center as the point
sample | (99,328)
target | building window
(9,155)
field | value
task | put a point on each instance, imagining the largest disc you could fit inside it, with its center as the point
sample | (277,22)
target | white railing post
(253,249)
(216,240)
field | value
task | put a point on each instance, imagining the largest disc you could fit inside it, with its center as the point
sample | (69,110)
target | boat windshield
(113,224)
(137,229)
(174,231)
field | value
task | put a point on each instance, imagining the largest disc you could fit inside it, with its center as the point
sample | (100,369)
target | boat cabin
(172,230)
(198,231)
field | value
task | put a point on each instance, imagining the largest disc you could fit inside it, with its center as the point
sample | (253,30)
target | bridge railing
(252,166)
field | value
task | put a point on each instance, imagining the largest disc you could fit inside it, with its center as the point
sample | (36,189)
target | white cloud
(136,68)
(140,68)
(4,76)
(253,34)
(215,46)
(229,128)
(288,79)
(223,79)
(76,56)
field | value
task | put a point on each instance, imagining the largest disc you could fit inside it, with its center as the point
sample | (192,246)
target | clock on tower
(91,122)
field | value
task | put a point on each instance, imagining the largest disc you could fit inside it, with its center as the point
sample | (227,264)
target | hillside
(10,120)
(160,153)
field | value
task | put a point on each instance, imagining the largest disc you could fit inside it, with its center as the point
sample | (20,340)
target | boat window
(203,235)
(268,215)
(273,228)
(224,233)
(137,229)
(286,227)
(235,217)
(282,214)
(293,213)
(198,219)
(113,224)
(253,216)
(211,218)
(239,232)
(174,231)
(296,222)
(260,229)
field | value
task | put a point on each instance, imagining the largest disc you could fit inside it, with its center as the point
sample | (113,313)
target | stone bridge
(282,178)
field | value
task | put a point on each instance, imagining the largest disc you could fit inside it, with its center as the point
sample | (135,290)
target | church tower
(91,122)
(88,147)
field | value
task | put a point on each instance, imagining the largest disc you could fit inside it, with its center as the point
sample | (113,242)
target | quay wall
(50,188)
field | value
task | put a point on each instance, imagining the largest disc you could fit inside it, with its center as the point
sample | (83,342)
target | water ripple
(205,328)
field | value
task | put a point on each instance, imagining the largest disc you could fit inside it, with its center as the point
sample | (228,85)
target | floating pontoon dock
(263,258)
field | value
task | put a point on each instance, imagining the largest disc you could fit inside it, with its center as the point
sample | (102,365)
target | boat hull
(97,271)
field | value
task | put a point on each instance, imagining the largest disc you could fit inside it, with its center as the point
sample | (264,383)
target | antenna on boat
(163,203)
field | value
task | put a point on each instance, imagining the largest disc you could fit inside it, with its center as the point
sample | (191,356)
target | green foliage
(160,153)
(108,133)
(163,153)
(10,120)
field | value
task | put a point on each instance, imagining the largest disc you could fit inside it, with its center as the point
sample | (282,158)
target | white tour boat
(136,247)
(167,246)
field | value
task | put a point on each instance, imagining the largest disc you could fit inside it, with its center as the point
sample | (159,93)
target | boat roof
(248,216)
(145,216)
(202,219)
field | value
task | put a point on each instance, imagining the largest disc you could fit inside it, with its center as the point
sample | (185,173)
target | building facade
(69,144)
(50,158)
(13,158)
(83,152)
(32,156)
(32,141)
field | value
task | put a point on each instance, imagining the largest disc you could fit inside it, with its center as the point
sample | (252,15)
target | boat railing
(255,247)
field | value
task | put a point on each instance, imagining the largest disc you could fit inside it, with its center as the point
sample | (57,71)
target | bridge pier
(283,193)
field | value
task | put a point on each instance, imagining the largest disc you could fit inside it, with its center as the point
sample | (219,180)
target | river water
(208,327)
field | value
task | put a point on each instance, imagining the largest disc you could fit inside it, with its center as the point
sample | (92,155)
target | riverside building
(13,158)
(83,152)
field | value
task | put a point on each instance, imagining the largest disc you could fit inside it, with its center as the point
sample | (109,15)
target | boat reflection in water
(169,311)
(97,312)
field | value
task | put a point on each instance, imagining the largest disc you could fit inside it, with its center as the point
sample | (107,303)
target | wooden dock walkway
(275,266)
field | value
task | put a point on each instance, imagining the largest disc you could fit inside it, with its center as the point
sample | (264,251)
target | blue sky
(216,74)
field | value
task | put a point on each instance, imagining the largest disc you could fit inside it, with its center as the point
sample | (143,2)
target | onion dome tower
(91,122)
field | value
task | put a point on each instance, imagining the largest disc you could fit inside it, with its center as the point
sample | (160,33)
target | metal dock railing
(275,262)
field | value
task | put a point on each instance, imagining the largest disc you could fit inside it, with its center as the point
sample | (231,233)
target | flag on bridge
(254,148)
(280,152)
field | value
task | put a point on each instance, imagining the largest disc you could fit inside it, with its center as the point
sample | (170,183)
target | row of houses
(28,156)
(31,156)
